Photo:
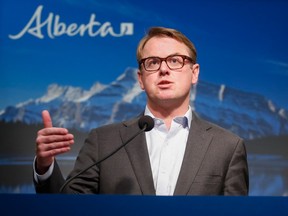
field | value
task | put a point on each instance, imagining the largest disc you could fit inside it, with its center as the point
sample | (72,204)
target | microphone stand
(107,156)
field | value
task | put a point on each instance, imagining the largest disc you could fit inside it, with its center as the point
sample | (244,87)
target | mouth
(164,83)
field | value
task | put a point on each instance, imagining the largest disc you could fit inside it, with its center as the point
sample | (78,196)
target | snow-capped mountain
(247,114)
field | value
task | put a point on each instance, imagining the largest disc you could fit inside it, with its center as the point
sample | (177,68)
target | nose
(164,69)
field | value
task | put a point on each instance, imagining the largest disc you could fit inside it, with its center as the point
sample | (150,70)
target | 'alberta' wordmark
(52,27)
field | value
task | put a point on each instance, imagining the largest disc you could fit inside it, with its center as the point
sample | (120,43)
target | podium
(50,204)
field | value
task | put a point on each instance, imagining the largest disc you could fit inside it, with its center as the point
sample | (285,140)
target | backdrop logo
(53,27)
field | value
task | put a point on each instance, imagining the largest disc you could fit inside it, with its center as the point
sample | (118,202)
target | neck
(167,112)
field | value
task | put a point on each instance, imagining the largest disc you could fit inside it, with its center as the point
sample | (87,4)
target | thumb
(46,119)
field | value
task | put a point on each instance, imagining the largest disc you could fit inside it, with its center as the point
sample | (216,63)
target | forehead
(164,46)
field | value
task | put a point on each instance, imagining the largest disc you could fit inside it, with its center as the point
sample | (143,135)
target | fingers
(45,138)
(53,138)
(51,141)
(46,119)
(54,148)
(52,131)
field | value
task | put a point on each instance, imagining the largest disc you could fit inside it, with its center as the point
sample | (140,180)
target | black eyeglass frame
(184,57)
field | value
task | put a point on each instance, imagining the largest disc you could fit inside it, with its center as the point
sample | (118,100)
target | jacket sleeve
(237,180)
(52,184)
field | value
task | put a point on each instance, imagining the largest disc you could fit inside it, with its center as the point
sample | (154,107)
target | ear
(195,73)
(140,79)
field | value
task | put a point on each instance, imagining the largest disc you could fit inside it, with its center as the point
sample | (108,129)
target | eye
(152,61)
(175,60)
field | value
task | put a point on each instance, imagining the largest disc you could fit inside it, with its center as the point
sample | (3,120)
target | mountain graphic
(247,114)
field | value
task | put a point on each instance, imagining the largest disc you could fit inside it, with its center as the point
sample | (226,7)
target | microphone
(145,123)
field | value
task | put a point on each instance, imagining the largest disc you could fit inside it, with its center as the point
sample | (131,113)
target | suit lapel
(197,145)
(138,154)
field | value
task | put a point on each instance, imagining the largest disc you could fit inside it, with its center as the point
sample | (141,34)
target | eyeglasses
(173,62)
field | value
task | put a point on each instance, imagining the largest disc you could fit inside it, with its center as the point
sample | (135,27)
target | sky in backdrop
(240,43)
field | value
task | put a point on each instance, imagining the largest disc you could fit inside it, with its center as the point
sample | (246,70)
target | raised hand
(50,141)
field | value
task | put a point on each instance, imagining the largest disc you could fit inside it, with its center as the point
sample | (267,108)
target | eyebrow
(177,53)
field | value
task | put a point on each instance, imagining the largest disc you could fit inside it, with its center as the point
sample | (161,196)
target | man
(181,155)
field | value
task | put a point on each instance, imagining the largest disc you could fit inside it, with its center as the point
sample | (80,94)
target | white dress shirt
(38,178)
(166,150)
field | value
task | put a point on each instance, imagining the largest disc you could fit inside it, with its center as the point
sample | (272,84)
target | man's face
(166,85)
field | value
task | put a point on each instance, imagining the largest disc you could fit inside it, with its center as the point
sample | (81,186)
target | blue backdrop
(77,59)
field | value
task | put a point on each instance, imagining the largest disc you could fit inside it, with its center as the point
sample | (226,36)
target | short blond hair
(166,32)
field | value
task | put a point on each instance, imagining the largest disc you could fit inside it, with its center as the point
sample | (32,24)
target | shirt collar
(183,120)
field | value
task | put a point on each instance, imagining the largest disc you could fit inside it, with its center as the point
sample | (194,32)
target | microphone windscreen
(146,120)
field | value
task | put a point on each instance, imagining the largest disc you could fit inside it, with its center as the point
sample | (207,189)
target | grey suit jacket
(215,163)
